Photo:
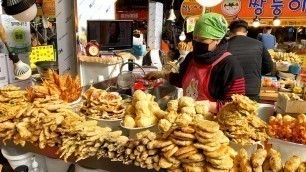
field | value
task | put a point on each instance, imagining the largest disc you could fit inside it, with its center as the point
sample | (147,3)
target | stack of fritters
(100,104)
(239,121)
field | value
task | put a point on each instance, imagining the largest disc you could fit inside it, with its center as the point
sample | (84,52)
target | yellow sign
(41,53)
(191,8)
(303,59)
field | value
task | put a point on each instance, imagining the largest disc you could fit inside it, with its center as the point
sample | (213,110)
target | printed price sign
(190,23)
(41,53)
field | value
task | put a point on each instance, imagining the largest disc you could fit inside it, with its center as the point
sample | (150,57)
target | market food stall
(48,126)
(111,117)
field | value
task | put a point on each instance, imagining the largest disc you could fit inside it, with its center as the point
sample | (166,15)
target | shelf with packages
(107,59)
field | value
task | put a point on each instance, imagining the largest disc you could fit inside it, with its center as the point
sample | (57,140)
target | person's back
(253,57)
(267,38)
(268,41)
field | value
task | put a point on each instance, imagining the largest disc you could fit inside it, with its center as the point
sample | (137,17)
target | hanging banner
(48,8)
(262,8)
(191,8)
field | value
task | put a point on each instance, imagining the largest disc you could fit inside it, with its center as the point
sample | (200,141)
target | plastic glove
(156,75)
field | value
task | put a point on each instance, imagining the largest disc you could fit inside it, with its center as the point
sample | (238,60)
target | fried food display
(182,112)
(141,152)
(284,57)
(51,122)
(100,104)
(12,102)
(239,121)
(291,96)
(288,128)
(266,161)
(86,139)
(143,112)
(66,87)
(197,146)
(12,95)
(39,122)
(183,46)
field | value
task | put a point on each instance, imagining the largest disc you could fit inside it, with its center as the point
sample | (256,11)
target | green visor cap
(211,25)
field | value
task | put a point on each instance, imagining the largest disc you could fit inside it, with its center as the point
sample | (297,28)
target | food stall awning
(285,9)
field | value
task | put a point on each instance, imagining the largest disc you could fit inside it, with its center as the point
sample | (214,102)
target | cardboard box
(3,69)
(18,34)
(12,78)
(268,96)
(291,106)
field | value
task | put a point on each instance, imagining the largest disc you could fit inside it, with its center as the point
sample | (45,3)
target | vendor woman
(209,72)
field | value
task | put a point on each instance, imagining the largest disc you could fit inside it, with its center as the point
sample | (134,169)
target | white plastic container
(40,159)
(265,111)
(288,149)
(79,168)
(283,66)
(249,148)
(113,124)
(57,165)
(17,157)
(131,132)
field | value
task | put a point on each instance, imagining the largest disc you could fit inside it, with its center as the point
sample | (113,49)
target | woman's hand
(213,107)
(157,75)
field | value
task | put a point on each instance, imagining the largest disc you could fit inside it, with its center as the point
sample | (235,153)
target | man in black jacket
(253,56)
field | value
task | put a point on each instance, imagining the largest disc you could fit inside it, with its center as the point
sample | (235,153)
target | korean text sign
(262,8)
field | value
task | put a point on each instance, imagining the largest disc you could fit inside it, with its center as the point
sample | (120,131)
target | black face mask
(200,48)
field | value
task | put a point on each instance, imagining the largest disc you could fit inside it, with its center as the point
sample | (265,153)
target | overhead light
(21,10)
(172,16)
(182,36)
(209,3)
(256,22)
(276,21)
(300,30)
